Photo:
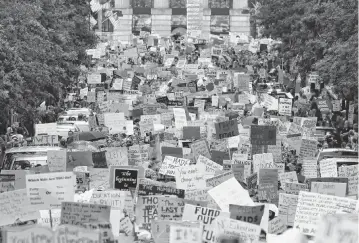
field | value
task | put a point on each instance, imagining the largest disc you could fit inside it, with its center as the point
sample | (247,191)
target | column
(161,21)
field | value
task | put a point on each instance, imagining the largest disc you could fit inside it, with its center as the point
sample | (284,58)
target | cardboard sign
(232,228)
(117,156)
(170,163)
(49,140)
(218,179)
(308,148)
(276,226)
(79,213)
(146,211)
(263,135)
(183,234)
(200,148)
(242,81)
(57,160)
(312,205)
(329,188)
(160,229)
(287,205)
(57,187)
(309,181)
(294,188)
(226,129)
(206,216)
(64,233)
(189,177)
(7,182)
(249,214)
(146,190)
(328,168)
(285,107)
(15,206)
(322,105)
(207,166)
(170,208)
(191,132)
(337,105)
(230,192)
(114,199)
(268,185)
(288,177)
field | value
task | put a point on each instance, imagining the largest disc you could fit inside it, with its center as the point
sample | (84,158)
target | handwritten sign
(329,188)
(285,107)
(146,210)
(170,163)
(287,206)
(226,129)
(263,135)
(350,172)
(114,199)
(308,148)
(230,192)
(189,177)
(207,166)
(56,160)
(328,168)
(46,129)
(218,179)
(145,190)
(59,187)
(7,182)
(312,205)
(206,216)
(245,232)
(249,214)
(200,147)
(276,226)
(49,140)
(183,234)
(268,185)
(294,188)
(116,156)
(288,177)
(124,179)
(170,208)
(99,178)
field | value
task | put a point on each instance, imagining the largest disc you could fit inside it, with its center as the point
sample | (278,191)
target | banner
(194,18)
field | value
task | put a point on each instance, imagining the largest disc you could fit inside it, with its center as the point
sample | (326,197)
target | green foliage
(42,45)
(319,35)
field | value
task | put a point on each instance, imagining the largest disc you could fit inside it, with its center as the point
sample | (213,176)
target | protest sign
(312,205)
(241,81)
(263,161)
(160,229)
(79,213)
(78,158)
(46,129)
(287,177)
(116,156)
(230,192)
(329,188)
(263,135)
(7,182)
(200,147)
(309,181)
(285,107)
(268,185)
(170,208)
(226,129)
(99,159)
(20,179)
(336,105)
(146,210)
(294,188)
(114,199)
(350,172)
(322,105)
(15,206)
(185,234)
(207,166)
(125,178)
(310,168)
(56,160)
(276,226)
(249,214)
(94,78)
(170,163)
(146,190)
(328,168)
(189,177)
(99,178)
(206,216)
(218,179)
(287,206)
(308,148)
(337,228)
(59,187)
(232,228)
(49,140)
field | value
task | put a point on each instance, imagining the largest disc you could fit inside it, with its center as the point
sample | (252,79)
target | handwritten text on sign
(226,129)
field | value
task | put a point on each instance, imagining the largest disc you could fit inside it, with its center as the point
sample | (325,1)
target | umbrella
(89,136)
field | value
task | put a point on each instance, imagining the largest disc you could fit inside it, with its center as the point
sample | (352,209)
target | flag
(95,6)
(113,17)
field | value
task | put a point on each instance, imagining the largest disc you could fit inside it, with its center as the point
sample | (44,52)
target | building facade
(166,17)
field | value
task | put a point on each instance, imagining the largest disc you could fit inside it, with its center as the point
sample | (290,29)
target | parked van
(337,153)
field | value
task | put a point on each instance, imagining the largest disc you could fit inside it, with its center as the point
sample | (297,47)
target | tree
(42,45)
(318,36)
